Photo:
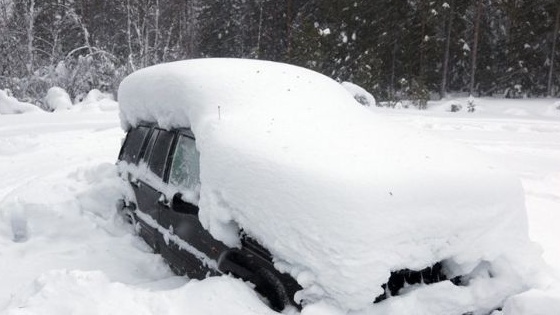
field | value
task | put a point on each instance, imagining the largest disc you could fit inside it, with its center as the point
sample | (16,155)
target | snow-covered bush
(57,99)
(455,107)
(97,100)
(95,95)
(10,105)
(416,91)
(452,106)
(515,91)
(75,74)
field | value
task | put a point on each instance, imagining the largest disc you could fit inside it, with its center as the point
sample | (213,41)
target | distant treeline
(412,49)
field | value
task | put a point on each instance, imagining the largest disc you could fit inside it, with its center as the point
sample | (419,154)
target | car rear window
(185,169)
(133,144)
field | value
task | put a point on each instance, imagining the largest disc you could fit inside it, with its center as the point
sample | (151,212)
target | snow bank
(10,105)
(58,99)
(340,196)
(63,292)
(67,221)
(534,302)
(360,94)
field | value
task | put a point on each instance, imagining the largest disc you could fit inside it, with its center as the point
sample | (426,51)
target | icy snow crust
(338,195)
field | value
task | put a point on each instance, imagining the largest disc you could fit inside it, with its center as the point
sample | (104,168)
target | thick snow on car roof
(339,196)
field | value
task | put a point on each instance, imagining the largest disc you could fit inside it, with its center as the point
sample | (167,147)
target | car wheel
(126,212)
(270,287)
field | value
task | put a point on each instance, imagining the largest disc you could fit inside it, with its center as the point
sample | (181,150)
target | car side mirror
(181,206)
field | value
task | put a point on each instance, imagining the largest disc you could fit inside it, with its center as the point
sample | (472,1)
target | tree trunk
(445,66)
(475,45)
(259,34)
(30,37)
(129,37)
(289,19)
(423,19)
(393,67)
(549,90)
(191,21)
(156,34)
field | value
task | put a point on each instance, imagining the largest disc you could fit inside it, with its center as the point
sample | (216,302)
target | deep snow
(72,256)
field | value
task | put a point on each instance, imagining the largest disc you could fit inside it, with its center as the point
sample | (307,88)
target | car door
(181,216)
(149,185)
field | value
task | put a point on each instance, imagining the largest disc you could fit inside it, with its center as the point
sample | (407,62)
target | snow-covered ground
(63,250)
(524,135)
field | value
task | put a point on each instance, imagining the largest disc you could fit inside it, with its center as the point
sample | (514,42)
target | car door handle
(164,201)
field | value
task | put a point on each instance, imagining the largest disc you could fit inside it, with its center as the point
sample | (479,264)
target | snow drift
(340,196)
(10,105)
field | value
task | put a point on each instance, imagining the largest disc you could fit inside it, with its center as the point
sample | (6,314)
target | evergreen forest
(403,49)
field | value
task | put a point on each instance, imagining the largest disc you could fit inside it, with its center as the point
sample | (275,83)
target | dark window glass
(133,144)
(160,151)
(185,170)
(150,145)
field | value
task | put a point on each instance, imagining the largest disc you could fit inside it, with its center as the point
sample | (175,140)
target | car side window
(133,144)
(160,151)
(185,169)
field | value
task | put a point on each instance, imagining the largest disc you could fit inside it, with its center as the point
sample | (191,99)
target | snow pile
(64,292)
(55,221)
(360,94)
(10,105)
(534,302)
(64,251)
(96,100)
(57,99)
(340,196)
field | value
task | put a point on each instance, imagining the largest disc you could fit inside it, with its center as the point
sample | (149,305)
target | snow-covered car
(275,174)
(159,163)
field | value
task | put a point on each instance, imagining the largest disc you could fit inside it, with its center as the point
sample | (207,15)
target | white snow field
(64,251)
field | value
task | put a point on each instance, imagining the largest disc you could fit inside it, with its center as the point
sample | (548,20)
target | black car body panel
(169,223)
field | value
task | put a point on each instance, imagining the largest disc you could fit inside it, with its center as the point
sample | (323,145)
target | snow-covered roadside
(57,187)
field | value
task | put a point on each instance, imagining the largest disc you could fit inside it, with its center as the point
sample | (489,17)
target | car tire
(270,287)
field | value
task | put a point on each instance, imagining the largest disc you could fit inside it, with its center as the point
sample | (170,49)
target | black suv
(155,162)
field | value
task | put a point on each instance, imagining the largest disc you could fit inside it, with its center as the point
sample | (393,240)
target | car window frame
(142,148)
